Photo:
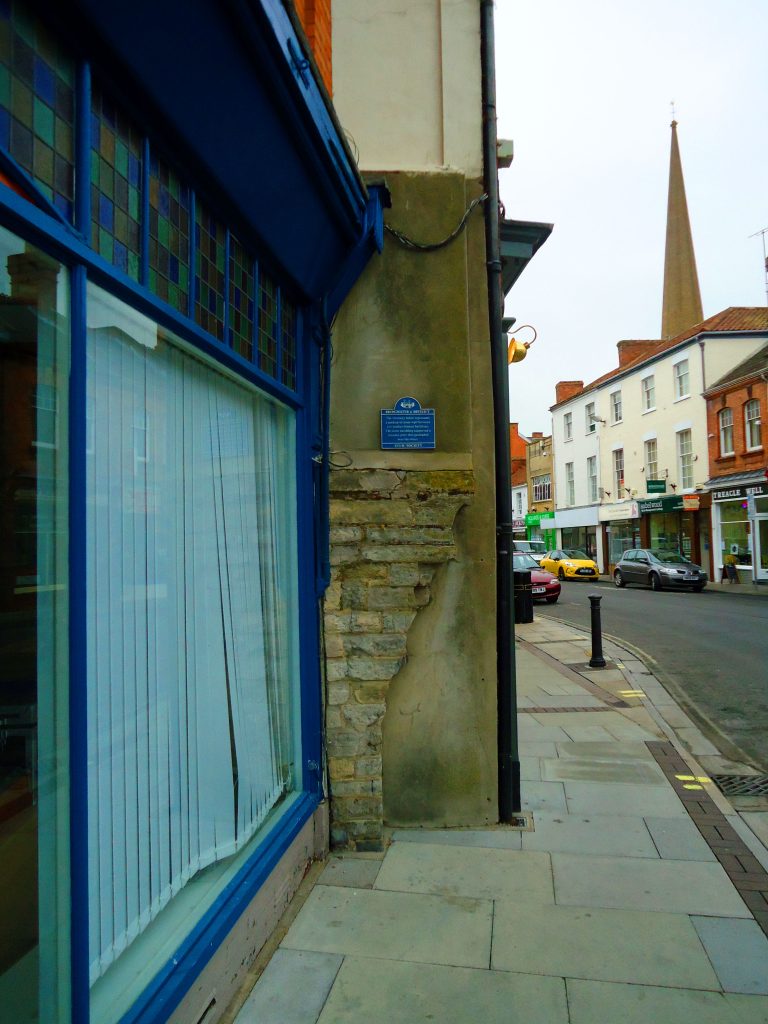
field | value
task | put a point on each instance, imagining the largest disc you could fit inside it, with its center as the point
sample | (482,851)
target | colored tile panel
(242,299)
(115,202)
(169,235)
(37,109)
(210,276)
(268,324)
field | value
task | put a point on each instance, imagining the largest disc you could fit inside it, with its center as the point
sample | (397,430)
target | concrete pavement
(635,892)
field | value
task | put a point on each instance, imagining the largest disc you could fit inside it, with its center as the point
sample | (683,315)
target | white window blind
(191,620)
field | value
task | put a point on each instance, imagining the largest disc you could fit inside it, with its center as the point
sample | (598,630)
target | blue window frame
(120,216)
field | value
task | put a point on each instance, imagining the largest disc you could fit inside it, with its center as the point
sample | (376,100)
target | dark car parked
(658,569)
(544,586)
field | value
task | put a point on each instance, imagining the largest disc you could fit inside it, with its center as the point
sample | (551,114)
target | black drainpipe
(509,757)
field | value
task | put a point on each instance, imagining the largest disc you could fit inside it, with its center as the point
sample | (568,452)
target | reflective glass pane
(34,892)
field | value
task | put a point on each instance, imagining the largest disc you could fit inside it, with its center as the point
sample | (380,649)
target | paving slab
(355,872)
(598,834)
(543,796)
(738,951)
(592,770)
(530,768)
(530,729)
(597,1002)
(753,829)
(681,887)
(587,733)
(696,742)
(491,838)
(278,999)
(537,748)
(394,926)
(468,871)
(603,945)
(382,992)
(610,751)
(678,839)
(615,798)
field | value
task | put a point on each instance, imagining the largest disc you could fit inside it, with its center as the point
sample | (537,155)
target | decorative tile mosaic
(116,179)
(242,303)
(268,324)
(210,272)
(169,235)
(290,328)
(37,106)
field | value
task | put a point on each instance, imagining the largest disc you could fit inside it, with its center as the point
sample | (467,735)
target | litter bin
(523,595)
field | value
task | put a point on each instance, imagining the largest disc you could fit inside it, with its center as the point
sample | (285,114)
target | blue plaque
(408,425)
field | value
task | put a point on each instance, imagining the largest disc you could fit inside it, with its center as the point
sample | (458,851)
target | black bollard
(597,660)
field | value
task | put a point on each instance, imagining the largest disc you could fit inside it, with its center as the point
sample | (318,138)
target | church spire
(682,300)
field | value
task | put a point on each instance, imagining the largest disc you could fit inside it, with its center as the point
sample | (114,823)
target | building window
(568,426)
(725,422)
(34,457)
(592,477)
(589,418)
(542,488)
(210,272)
(651,460)
(752,425)
(570,485)
(616,407)
(649,393)
(618,471)
(685,458)
(519,502)
(682,380)
(192,621)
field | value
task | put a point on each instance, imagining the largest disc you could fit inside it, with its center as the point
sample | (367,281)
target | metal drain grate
(742,785)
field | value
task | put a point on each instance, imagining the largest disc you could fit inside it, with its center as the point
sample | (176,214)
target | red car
(544,585)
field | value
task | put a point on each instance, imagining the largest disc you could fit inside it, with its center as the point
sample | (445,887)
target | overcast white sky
(584,90)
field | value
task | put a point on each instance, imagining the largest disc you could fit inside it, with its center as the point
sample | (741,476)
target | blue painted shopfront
(179,221)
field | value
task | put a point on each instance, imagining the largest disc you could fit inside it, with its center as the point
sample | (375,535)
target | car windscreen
(521,560)
(575,553)
(669,557)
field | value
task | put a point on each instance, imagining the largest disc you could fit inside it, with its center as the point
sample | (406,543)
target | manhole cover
(742,785)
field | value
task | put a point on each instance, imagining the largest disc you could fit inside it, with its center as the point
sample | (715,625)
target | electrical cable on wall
(409,243)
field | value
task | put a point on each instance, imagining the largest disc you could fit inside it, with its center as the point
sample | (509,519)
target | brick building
(738,469)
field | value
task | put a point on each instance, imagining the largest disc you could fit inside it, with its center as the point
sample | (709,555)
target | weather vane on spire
(672,105)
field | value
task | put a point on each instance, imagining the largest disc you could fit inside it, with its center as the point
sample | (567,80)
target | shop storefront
(740,531)
(541,526)
(621,531)
(172,245)
(577,528)
(678,523)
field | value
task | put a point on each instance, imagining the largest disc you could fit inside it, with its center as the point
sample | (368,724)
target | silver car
(658,569)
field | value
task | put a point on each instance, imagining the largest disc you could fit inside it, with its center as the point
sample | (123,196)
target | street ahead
(713,646)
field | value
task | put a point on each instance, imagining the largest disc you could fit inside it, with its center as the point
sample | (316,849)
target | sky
(584,91)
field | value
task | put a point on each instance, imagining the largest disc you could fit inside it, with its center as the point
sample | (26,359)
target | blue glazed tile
(106,213)
(45,83)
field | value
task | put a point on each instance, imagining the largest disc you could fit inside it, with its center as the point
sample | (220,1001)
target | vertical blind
(191,580)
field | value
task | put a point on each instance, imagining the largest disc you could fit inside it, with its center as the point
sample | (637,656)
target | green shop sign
(674,503)
(541,519)
(656,486)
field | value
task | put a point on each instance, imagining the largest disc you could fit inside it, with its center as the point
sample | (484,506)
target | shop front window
(621,537)
(34,867)
(735,537)
(192,628)
(665,531)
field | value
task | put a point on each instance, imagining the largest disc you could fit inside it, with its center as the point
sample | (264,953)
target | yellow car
(570,564)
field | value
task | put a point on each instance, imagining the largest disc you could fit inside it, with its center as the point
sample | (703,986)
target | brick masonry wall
(315,16)
(742,461)
(390,533)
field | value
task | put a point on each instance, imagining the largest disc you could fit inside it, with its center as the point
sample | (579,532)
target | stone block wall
(391,530)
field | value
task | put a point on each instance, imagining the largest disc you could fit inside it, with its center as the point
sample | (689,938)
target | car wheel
(560,573)
(698,590)
(618,579)
(655,581)
(552,600)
